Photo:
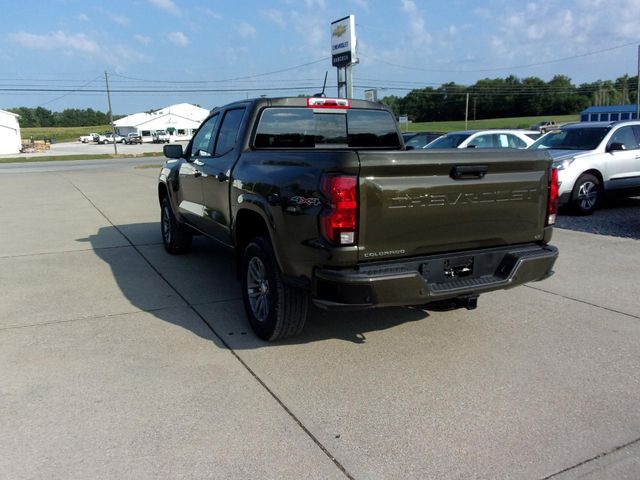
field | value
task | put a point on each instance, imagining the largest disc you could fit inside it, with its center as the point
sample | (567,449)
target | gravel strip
(618,217)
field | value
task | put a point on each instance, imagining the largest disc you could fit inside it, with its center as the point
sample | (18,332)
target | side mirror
(615,147)
(172,151)
(409,147)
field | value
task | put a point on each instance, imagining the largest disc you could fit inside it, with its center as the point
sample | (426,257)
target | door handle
(222,177)
(468,172)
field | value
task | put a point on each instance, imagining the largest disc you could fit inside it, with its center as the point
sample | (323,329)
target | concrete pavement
(119,360)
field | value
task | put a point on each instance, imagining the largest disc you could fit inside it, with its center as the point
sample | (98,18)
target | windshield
(449,141)
(587,138)
(421,140)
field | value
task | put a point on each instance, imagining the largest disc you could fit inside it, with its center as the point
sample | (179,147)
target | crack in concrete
(592,459)
(612,310)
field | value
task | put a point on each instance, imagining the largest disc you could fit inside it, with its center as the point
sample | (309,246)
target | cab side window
(626,137)
(202,146)
(229,131)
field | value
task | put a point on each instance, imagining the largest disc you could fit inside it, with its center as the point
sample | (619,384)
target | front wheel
(275,310)
(586,194)
(175,237)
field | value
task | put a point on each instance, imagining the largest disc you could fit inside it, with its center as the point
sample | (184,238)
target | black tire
(586,195)
(275,310)
(175,237)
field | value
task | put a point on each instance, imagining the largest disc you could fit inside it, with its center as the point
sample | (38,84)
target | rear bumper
(421,280)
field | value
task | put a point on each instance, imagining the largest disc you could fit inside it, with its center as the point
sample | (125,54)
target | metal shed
(610,113)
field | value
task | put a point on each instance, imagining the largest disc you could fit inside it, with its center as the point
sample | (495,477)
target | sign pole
(638,88)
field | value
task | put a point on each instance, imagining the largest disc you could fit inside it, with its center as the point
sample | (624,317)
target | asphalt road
(120,361)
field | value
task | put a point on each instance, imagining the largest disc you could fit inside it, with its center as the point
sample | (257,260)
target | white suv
(593,158)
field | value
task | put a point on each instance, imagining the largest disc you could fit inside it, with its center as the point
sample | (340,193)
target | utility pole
(113,129)
(466,114)
(638,88)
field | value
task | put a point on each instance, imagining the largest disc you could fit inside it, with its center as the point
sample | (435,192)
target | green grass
(513,122)
(58,158)
(143,167)
(61,134)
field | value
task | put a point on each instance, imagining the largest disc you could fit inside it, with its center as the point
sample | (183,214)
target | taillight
(339,223)
(552,209)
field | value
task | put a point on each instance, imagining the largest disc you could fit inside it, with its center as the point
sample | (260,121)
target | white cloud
(409,6)
(275,16)
(211,13)
(78,45)
(246,30)
(142,39)
(166,5)
(361,3)
(121,20)
(178,38)
(83,17)
(314,34)
(419,34)
(56,40)
(315,3)
(232,55)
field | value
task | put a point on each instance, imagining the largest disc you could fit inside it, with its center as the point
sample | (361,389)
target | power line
(257,75)
(69,93)
(512,67)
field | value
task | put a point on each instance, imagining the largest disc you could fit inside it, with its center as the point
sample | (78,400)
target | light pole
(638,88)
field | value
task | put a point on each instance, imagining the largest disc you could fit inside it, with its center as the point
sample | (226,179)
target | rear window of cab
(285,127)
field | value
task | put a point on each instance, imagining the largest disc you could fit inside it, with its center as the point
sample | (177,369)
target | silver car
(594,158)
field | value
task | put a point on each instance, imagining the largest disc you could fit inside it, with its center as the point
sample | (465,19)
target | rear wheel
(586,194)
(275,310)
(175,237)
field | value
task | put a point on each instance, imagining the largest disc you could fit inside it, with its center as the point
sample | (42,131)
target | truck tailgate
(417,202)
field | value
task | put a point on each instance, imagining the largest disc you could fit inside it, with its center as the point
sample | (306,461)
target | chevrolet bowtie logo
(339,31)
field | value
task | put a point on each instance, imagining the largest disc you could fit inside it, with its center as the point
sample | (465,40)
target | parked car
(417,140)
(545,125)
(161,136)
(482,139)
(133,138)
(110,138)
(92,137)
(594,158)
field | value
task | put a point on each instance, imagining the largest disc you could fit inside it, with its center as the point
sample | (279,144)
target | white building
(180,121)
(10,141)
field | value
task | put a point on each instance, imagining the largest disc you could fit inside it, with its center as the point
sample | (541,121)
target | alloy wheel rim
(166,225)
(258,289)
(587,195)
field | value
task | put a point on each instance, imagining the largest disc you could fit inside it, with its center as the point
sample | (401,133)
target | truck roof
(299,102)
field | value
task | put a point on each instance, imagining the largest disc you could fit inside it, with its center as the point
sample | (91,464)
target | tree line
(71,117)
(511,97)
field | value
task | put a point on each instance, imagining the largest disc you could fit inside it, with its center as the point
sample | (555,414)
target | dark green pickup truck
(319,199)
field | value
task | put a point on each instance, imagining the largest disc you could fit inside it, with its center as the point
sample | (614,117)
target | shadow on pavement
(206,280)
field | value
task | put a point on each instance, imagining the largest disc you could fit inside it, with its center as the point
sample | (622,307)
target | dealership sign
(343,42)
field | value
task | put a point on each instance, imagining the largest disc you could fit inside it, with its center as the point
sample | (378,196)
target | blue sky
(226,45)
